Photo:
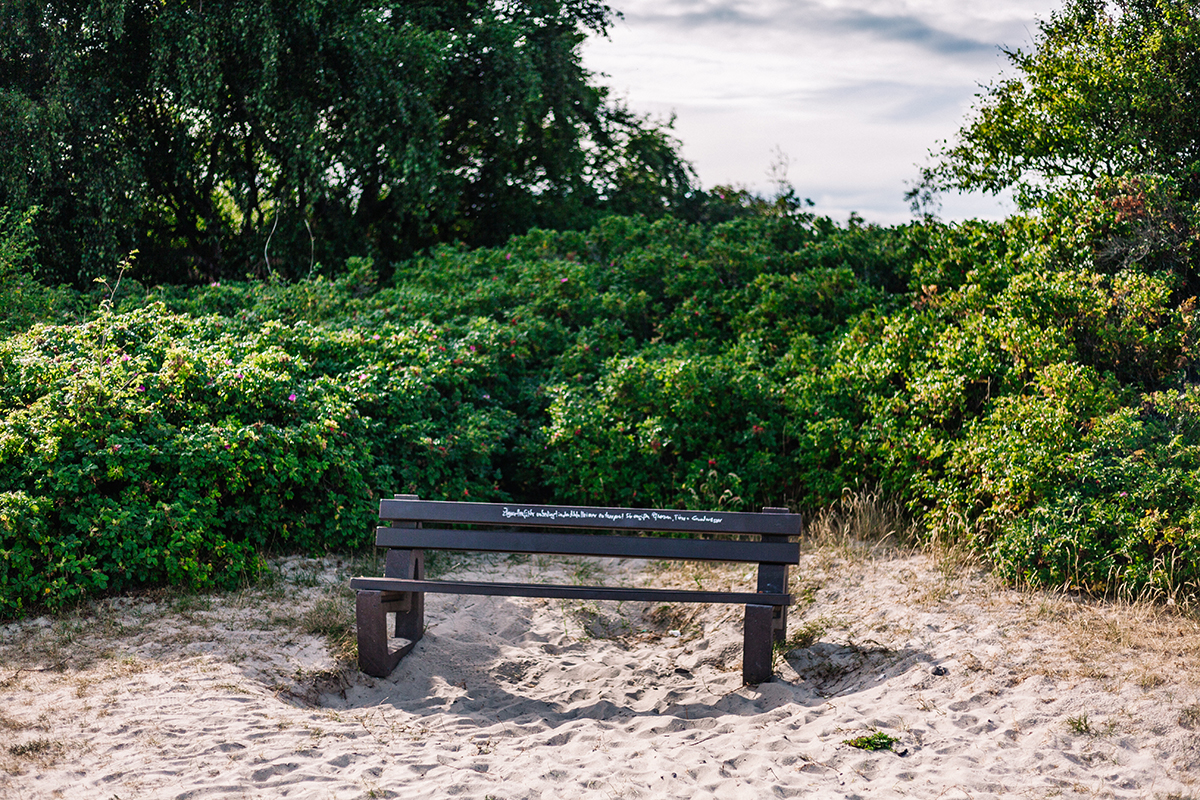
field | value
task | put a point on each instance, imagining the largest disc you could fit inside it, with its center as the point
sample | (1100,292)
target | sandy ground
(985,692)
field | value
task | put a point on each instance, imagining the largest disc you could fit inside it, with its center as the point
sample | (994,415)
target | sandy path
(988,692)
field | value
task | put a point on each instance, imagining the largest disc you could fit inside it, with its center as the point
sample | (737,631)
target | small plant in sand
(598,622)
(1081,725)
(584,571)
(333,618)
(1150,680)
(806,635)
(35,747)
(8,723)
(41,752)
(872,742)
(1189,717)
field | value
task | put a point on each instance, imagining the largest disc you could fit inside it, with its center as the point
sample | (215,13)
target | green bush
(148,447)
(160,450)
(1112,508)
(1016,385)
(656,426)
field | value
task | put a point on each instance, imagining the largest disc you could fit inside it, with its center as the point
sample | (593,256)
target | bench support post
(410,564)
(376,657)
(774,578)
(765,626)
(757,652)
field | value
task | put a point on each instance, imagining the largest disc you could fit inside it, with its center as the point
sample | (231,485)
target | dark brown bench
(418,525)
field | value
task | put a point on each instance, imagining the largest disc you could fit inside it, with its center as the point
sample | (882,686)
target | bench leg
(409,564)
(757,640)
(774,578)
(375,656)
(779,624)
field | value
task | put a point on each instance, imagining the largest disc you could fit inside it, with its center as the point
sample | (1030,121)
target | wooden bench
(418,525)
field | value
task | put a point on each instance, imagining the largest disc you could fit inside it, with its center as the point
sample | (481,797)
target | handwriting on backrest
(650,519)
(607,515)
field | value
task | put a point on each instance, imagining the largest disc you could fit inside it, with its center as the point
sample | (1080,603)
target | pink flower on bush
(564,280)
(141,388)
(292,397)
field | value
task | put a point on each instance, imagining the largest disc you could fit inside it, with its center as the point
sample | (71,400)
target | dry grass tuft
(866,526)
(682,617)
(599,620)
(332,617)
(308,686)
(8,723)
(1146,643)
(41,753)
(806,634)
(861,525)
(1189,717)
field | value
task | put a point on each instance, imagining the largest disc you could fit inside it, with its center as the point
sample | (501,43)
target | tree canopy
(226,137)
(1110,88)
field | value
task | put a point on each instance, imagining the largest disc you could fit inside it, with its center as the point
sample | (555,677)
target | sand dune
(986,692)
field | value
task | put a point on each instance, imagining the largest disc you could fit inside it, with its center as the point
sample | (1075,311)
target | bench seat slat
(647,519)
(574,544)
(568,592)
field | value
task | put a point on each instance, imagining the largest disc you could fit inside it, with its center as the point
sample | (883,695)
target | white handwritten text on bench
(576,513)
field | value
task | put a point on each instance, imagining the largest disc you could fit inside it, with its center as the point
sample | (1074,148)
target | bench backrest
(772,526)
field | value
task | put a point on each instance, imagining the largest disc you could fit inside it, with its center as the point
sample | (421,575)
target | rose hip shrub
(655,426)
(1034,398)
(1024,387)
(148,447)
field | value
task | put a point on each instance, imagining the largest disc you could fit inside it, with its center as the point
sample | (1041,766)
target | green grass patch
(875,741)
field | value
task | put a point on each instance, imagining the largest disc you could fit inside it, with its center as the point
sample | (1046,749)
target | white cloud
(856,92)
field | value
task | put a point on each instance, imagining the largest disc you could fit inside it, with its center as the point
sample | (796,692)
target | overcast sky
(854,93)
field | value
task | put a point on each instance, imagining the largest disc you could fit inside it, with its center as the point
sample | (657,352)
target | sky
(850,95)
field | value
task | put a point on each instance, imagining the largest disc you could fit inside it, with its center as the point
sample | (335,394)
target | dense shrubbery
(174,434)
(149,446)
(1022,386)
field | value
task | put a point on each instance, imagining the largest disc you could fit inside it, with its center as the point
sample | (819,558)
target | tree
(1110,88)
(220,137)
